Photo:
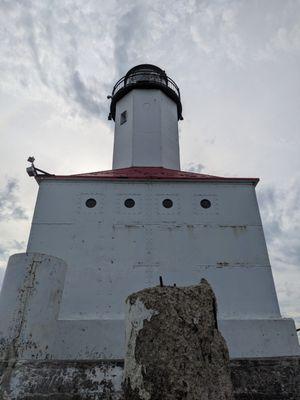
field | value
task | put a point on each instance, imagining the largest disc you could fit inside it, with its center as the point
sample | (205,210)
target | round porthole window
(205,203)
(90,203)
(129,203)
(167,203)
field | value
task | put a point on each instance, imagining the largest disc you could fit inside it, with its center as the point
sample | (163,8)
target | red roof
(146,173)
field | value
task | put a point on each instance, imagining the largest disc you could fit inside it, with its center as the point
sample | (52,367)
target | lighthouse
(97,237)
(146,106)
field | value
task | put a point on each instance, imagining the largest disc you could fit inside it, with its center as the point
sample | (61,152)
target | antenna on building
(161,281)
(33,170)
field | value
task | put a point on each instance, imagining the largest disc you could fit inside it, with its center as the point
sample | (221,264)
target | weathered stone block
(174,348)
(274,378)
(63,380)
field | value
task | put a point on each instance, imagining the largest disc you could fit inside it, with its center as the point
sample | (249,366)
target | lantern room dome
(145,76)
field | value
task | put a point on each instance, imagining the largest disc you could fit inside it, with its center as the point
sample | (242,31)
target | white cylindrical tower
(146,107)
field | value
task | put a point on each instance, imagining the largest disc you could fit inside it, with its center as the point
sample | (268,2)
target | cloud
(47,52)
(74,52)
(237,67)
(287,38)
(9,247)
(87,96)
(10,207)
(126,37)
(3,251)
(280,210)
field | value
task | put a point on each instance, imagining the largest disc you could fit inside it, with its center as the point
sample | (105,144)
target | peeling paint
(138,315)
(82,380)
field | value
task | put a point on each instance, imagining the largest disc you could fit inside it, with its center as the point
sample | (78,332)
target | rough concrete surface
(64,380)
(253,379)
(276,378)
(174,349)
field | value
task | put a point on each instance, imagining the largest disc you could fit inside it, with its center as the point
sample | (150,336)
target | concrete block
(174,349)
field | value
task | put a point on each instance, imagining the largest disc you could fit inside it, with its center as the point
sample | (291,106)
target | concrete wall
(112,251)
(253,379)
(266,379)
(29,306)
(43,356)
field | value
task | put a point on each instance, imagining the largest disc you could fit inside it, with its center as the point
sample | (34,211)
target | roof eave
(253,181)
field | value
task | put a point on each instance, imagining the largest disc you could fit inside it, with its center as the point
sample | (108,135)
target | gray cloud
(54,51)
(10,247)
(75,52)
(10,207)
(131,32)
(3,251)
(87,96)
(269,206)
(6,250)
(280,209)
(195,167)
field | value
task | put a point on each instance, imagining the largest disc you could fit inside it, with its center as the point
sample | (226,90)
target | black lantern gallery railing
(145,76)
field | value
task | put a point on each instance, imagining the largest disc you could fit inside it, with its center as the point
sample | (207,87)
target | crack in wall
(11,354)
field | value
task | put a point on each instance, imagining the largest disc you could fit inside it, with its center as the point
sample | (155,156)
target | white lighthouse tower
(146,106)
(97,237)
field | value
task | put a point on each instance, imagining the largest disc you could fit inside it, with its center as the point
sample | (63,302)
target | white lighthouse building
(97,237)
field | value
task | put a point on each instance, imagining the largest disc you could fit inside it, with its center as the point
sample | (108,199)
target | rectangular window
(123,117)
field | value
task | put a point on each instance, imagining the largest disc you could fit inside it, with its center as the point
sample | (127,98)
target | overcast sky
(236,62)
